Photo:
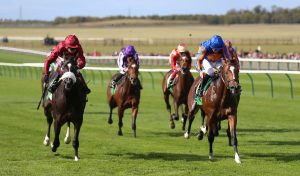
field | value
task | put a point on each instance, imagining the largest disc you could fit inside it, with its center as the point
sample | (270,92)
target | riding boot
(170,83)
(115,80)
(53,84)
(85,87)
(203,83)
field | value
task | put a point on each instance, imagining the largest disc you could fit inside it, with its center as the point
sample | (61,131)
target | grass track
(268,134)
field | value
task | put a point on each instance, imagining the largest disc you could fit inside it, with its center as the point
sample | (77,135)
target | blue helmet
(216,43)
(130,51)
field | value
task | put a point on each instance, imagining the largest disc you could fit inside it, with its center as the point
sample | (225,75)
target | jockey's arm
(201,55)
(173,60)
(121,63)
(81,59)
(51,58)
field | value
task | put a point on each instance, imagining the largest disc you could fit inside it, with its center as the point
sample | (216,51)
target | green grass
(268,134)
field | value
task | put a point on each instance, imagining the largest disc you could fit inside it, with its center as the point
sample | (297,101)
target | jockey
(69,48)
(209,59)
(129,51)
(174,61)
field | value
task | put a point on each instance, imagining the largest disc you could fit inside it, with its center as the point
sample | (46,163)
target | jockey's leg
(202,84)
(115,80)
(86,89)
(171,80)
(54,82)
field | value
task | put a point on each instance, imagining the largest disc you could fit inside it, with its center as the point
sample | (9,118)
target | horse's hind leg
(57,128)
(67,139)
(232,120)
(110,121)
(184,117)
(166,98)
(48,115)
(134,115)
(77,127)
(121,114)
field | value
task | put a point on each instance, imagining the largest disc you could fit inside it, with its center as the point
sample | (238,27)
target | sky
(49,9)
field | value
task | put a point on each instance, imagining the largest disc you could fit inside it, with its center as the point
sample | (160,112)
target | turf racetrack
(267,131)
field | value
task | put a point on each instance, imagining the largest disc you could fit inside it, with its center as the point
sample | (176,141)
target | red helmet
(71,41)
(182,48)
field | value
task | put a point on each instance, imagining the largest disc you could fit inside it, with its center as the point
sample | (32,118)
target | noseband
(233,89)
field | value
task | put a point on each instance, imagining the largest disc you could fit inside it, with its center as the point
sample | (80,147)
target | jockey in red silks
(174,61)
(209,60)
(70,48)
(129,51)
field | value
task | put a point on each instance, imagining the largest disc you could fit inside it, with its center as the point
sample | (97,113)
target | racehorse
(67,105)
(220,102)
(179,91)
(126,95)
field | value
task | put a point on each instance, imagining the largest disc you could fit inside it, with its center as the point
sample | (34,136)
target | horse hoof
(67,140)
(210,156)
(76,158)
(237,158)
(46,141)
(172,125)
(110,121)
(200,136)
(120,133)
(186,135)
(54,149)
(203,129)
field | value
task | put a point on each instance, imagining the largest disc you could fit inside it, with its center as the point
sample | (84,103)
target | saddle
(204,88)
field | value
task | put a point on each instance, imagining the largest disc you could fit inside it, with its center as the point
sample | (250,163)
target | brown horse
(67,105)
(126,95)
(220,102)
(179,91)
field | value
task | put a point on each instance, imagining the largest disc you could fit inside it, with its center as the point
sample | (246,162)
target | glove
(46,78)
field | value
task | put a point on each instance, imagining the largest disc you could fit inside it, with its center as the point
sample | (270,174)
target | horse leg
(67,139)
(133,125)
(121,114)
(77,127)
(232,120)
(191,116)
(57,128)
(202,130)
(184,117)
(228,135)
(110,121)
(166,98)
(176,117)
(49,121)
(211,137)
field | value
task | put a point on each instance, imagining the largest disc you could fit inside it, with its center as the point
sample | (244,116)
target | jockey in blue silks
(209,60)
(129,51)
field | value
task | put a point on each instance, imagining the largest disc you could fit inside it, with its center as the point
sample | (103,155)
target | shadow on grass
(69,157)
(96,112)
(285,157)
(295,143)
(269,130)
(162,156)
(171,134)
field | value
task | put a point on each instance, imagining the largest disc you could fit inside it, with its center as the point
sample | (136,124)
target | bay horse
(127,95)
(220,102)
(67,105)
(184,80)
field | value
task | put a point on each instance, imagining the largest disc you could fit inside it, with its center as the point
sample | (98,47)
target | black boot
(203,83)
(53,85)
(115,80)
(170,83)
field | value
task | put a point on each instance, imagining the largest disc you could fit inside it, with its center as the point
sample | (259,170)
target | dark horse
(220,102)
(126,95)
(180,90)
(67,105)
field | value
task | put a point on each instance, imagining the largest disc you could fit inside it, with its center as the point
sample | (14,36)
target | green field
(163,38)
(268,133)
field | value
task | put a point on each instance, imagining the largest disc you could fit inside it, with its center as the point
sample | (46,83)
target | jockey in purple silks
(129,51)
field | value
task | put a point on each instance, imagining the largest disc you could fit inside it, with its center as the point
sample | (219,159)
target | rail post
(271,81)
(291,85)
(252,83)
(152,80)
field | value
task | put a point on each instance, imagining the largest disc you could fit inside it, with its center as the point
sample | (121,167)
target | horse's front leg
(202,130)
(67,139)
(232,120)
(57,128)
(77,127)
(120,114)
(176,106)
(211,137)
(166,98)
(191,116)
(110,121)
(48,115)
(134,116)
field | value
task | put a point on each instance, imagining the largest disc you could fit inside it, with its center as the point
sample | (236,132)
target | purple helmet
(216,43)
(130,51)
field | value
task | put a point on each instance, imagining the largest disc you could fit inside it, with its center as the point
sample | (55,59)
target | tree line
(258,14)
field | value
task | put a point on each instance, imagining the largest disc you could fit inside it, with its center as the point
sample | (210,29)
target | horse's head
(68,79)
(133,70)
(185,60)
(230,76)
